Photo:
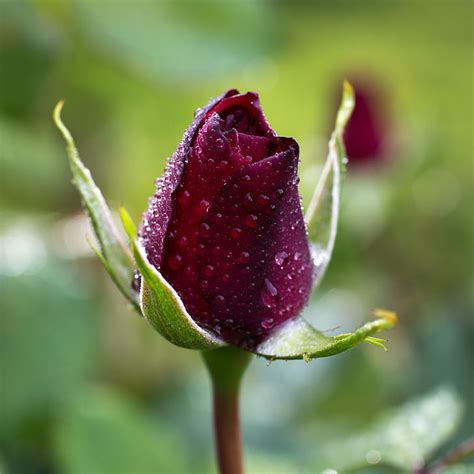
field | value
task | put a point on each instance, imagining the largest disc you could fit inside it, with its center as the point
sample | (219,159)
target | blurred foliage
(87,387)
(403,439)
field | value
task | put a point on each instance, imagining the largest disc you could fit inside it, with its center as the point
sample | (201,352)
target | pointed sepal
(161,305)
(297,339)
(112,251)
(322,214)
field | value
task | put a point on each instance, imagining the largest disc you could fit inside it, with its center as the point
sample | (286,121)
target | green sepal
(322,214)
(297,339)
(161,305)
(113,251)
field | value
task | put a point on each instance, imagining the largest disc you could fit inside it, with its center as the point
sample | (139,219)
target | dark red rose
(225,227)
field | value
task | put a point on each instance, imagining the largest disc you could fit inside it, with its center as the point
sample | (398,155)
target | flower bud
(222,254)
(225,227)
(366,133)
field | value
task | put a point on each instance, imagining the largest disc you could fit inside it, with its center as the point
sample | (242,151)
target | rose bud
(225,227)
(365,136)
(222,255)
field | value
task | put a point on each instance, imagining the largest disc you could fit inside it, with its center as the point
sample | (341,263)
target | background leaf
(405,438)
(104,433)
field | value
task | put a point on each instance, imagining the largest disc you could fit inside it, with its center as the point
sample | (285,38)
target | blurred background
(87,387)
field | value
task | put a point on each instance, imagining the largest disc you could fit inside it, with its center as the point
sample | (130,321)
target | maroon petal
(156,219)
(254,266)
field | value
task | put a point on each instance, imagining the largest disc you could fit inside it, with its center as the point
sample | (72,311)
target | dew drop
(267,323)
(205,229)
(175,262)
(184,199)
(219,299)
(201,249)
(263,199)
(236,233)
(208,271)
(251,221)
(182,242)
(269,294)
(203,206)
(246,177)
(281,258)
(279,193)
(243,257)
(296,256)
(220,143)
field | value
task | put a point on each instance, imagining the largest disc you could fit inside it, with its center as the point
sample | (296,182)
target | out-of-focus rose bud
(225,227)
(365,136)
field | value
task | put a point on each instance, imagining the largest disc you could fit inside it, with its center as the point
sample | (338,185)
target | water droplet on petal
(269,294)
(243,257)
(208,271)
(281,258)
(220,143)
(236,233)
(267,323)
(251,221)
(204,206)
(219,299)
(184,198)
(182,242)
(175,262)
(279,193)
(205,229)
(263,199)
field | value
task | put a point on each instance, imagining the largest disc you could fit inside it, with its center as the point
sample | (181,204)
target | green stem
(226,367)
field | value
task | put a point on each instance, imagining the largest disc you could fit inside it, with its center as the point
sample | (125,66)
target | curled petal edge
(112,251)
(161,305)
(297,339)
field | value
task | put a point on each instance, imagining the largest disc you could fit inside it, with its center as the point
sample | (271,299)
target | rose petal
(156,219)
(262,274)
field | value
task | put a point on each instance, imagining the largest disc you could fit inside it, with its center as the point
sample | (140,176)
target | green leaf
(297,339)
(404,438)
(114,253)
(49,341)
(323,211)
(160,303)
(102,432)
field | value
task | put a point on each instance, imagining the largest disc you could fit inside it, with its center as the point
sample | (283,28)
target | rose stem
(226,367)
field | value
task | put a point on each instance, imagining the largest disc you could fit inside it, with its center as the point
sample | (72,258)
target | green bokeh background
(87,387)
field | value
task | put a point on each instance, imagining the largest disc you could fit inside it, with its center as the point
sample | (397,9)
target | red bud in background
(365,136)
